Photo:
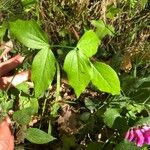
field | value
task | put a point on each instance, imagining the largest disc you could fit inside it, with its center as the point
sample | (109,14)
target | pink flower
(130,135)
(139,138)
(145,128)
(139,135)
(147,137)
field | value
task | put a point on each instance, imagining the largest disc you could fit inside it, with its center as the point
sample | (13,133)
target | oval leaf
(29,33)
(23,116)
(110,116)
(105,78)
(43,70)
(38,136)
(89,104)
(88,43)
(102,29)
(78,68)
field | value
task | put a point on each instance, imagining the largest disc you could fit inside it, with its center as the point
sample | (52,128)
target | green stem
(60,46)
(10,84)
(135,72)
(44,106)
(58,82)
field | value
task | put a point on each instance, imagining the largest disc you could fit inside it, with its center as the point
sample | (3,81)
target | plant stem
(10,83)
(135,71)
(44,106)
(60,46)
(58,82)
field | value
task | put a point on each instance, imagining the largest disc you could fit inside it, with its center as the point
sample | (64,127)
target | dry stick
(75,33)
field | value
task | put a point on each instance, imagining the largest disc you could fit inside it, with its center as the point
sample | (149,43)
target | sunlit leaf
(102,29)
(105,78)
(23,87)
(43,70)
(77,67)
(29,33)
(88,43)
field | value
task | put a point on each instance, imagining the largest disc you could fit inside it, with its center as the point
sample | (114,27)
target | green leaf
(29,33)
(3,29)
(24,87)
(29,108)
(77,67)
(143,3)
(145,120)
(24,101)
(88,44)
(105,78)
(43,70)
(68,142)
(85,116)
(90,104)
(54,109)
(94,145)
(34,105)
(28,2)
(23,116)
(125,145)
(8,105)
(38,136)
(102,29)
(112,11)
(110,116)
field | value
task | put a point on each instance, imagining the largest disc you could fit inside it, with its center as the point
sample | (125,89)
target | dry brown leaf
(68,120)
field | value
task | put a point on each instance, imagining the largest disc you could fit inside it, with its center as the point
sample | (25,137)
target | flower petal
(145,128)
(127,135)
(130,135)
(147,137)
(139,137)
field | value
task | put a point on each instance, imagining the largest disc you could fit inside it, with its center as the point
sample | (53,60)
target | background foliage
(90,35)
